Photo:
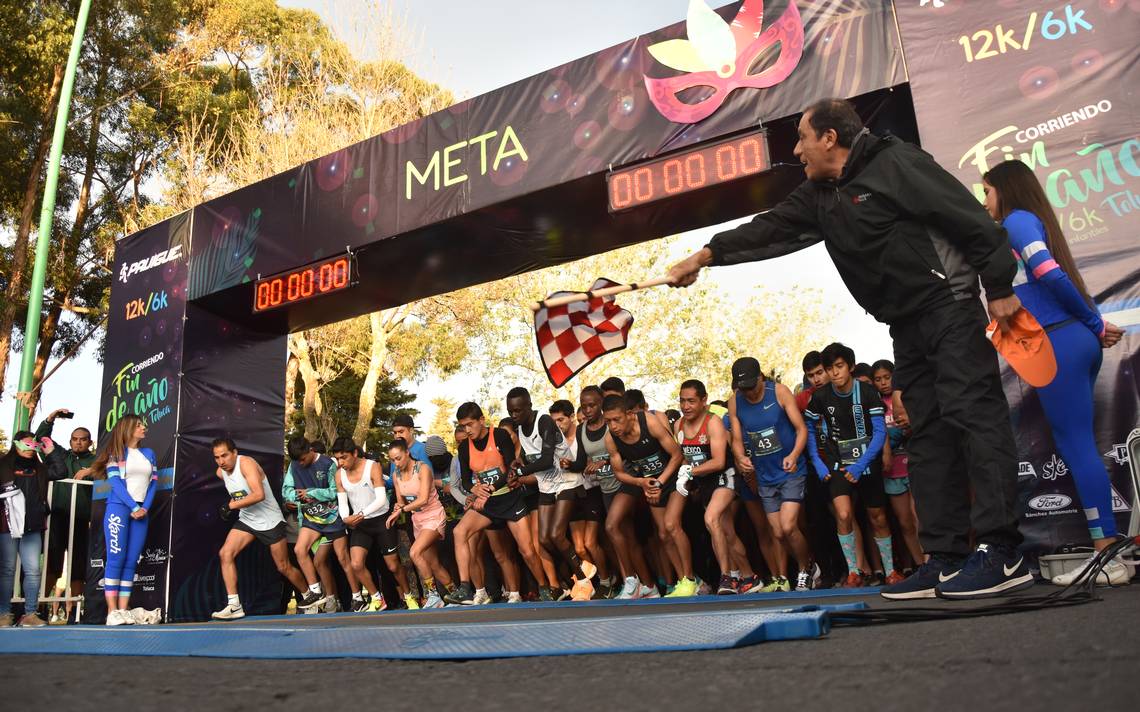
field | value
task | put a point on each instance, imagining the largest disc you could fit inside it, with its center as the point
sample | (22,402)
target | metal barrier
(68,557)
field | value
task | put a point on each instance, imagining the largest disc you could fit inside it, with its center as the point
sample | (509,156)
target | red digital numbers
(300,284)
(719,162)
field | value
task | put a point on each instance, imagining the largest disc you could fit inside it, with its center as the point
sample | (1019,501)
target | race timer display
(298,285)
(693,169)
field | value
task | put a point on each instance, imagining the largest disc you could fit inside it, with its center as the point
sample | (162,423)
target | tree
(443,423)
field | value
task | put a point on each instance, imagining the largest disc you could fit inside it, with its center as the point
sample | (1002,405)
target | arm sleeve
(1027,236)
(152,488)
(551,436)
(455,480)
(786,228)
(342,505)
(288,491)
(506,446)
(119,486)
(465,475)
(813,452)
(875,449)
(43,430)
(380,501)
(925,190)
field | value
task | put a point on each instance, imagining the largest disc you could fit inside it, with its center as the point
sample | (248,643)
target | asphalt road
(1078,658)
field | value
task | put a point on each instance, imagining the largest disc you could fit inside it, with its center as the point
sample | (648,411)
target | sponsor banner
(632,101)
(1054,85)
(141,365)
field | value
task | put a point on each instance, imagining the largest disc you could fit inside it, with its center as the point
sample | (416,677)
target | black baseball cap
(745,373)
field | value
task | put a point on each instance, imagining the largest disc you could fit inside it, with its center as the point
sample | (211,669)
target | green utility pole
(35,294)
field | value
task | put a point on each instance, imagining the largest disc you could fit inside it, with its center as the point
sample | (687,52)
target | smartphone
(66,415)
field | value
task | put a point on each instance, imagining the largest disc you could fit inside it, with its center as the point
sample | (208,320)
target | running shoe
(481,598)
(377,603)
(411,602)
(359,605)
(894,577)
(605,588)
(876,578)
(544,593)
(31,620)
(923,582)
(58,618)
(463,595)
(816,575)
(703,589)
(309,601)
(115,617)
(777,584)
(291,607)
(514,597)
(560,594)
(750,584)
(803,581)
(433,601)
(855,579)
(229,613)
(992,570)
(685,587)
(648,592)
(727,586)
(1114,573)
(629,589)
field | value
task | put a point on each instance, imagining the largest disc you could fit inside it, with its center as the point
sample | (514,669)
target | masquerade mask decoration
(27,447)
(719,56)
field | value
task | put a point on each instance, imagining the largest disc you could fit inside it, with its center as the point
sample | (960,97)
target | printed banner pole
(32,325)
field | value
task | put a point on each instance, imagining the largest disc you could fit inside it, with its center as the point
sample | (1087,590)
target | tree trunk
(291,369)
(9,309)
(311,405)
(368,391)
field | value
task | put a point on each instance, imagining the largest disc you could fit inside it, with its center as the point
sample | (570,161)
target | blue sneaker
(992,570)
(922,583)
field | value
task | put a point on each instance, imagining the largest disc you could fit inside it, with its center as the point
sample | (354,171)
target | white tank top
(361,494)
(555,479)
(262,516)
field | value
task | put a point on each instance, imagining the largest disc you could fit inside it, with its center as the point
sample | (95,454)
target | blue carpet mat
(650,632)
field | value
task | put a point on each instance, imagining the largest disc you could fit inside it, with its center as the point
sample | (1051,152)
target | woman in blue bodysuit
(134,479)
(1051,289)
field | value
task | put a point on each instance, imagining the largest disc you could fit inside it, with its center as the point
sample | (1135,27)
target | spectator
(23,499)
(77,461)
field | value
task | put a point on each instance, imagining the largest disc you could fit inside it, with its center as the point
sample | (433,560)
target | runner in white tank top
(258,517)
(362,502)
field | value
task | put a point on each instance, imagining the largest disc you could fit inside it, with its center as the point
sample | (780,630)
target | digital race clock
(692,169)
(324,277)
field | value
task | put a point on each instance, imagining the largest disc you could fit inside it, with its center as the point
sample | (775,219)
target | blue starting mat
(283,638)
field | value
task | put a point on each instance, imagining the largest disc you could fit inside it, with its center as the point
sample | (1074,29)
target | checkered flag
(570,336)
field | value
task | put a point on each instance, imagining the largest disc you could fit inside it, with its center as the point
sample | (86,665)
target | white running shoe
(1114,573)
(229,613)
(115,618)
(629,589)
(648,592)
(515,597)
(331,605)
(481,598)
(433,601)
(803,581)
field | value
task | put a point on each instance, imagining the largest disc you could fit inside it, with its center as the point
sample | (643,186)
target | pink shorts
(434,518)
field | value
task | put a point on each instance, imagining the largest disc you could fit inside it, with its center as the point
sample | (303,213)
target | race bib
(765,442)
(694,455)
(319,512)
(605,470)
(649,466)
(853,449)
(494,478)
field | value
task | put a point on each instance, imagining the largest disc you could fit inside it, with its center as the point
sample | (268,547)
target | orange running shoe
(853,580)
(894,577)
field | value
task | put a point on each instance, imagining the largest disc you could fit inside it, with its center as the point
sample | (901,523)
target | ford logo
(1050,502)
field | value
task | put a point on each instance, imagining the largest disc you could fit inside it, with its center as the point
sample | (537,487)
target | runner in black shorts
(362,502)
(642,445)
(850,414)
(483,463)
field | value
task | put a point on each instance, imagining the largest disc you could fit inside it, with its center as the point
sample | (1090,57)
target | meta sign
(303,283)
(701,167)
